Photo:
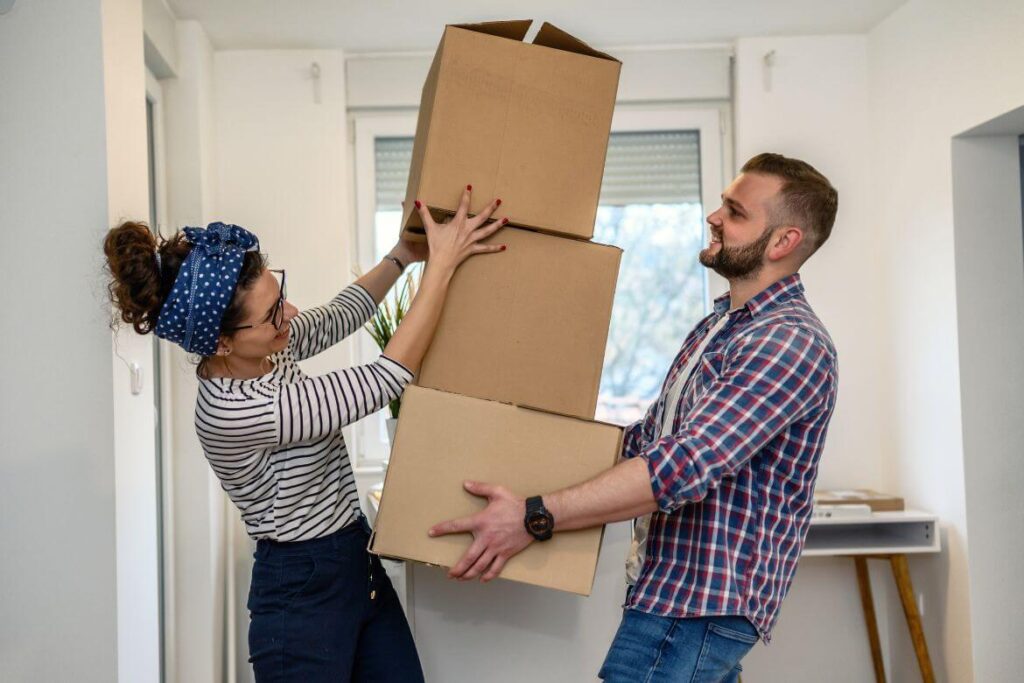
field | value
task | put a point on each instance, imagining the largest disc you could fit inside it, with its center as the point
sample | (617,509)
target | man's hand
(498,533)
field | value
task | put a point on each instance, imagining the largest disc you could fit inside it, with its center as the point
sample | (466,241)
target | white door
(139,445)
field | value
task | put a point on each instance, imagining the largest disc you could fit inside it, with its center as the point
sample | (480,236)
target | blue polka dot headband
(191,315)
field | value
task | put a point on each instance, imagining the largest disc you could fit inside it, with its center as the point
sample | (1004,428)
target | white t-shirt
(641,526)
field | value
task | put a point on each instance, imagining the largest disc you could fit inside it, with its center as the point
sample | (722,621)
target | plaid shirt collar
(769,297)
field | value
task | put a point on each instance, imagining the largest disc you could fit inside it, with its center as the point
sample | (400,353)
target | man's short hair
(807,200)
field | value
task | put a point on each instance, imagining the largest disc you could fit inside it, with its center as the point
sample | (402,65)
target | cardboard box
(527,123)
(445,439)
(527,326)
(878,502)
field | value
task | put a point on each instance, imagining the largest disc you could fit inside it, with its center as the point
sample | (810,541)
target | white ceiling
(395,26)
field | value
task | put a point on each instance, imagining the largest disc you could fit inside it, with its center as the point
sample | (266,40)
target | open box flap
(554,37)
(513,30)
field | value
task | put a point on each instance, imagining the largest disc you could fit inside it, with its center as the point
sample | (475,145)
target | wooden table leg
(867,602)
(901,572)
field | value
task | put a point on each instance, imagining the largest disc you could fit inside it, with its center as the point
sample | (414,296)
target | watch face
(540,524)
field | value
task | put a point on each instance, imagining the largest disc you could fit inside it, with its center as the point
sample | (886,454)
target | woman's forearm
(379,281)
(450,244)
(412,338)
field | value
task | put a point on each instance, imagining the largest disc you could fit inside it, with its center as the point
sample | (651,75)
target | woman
(321,608)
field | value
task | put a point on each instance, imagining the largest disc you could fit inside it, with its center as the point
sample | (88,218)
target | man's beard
(738,263)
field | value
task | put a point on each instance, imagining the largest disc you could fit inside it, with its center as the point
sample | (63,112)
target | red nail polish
(504,221)
(469,187)
(497,202)
(418,205)
(504,247)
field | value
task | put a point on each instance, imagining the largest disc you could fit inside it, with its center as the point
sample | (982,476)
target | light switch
(135,370)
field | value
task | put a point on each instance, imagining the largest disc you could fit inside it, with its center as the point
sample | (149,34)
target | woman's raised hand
(455,240)
(450,244)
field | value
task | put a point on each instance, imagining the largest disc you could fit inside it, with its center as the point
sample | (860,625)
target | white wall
(778,110)
(505,632)
(990,293)
(160,36)
(936,69)
(281,168)
(670,74)
(812,103)
(282,172)
(57,574)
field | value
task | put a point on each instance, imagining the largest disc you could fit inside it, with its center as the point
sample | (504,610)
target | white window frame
(710,123)
(369,450)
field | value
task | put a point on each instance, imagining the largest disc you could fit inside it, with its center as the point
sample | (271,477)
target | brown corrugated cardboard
(444,439)
(878,502)
(527,123)
(527,326)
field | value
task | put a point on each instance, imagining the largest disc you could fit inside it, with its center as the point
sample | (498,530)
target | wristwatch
(539,522)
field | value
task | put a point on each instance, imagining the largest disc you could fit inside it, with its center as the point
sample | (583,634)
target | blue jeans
(652,649)
(324,610)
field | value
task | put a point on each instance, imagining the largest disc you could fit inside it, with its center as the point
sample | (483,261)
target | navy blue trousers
(324,610)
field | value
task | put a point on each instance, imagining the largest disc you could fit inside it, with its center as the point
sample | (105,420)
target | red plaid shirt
(734,482)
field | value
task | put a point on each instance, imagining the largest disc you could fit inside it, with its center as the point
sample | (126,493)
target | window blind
(392,158)
(649,167)
(652,167)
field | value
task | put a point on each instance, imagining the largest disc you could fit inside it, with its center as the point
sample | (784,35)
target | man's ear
(786,240)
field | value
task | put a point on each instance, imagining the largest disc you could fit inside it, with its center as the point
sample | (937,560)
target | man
(721,470)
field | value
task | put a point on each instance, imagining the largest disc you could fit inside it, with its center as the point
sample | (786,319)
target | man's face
(739,229)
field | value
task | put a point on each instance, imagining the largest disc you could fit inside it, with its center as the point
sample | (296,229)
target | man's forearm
(621,493)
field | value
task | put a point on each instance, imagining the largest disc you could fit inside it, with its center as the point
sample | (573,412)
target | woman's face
(260,305)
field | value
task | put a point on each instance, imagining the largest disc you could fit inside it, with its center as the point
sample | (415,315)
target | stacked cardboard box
(527,122)
(508,390)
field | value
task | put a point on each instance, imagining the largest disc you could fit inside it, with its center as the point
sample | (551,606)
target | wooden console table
(889,536)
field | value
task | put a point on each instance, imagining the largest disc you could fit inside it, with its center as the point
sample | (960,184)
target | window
(663,168)
(392,158)
(383,154)
(650,207)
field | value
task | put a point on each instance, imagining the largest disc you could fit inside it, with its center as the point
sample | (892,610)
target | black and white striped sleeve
(317,406)
(317,329)
(234,420)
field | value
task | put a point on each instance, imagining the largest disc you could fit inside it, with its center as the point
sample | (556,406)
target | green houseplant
(385,321)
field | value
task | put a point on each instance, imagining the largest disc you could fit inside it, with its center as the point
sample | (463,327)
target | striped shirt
(275,441)
(734,479)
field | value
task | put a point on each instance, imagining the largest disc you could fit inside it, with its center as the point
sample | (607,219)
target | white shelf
(906,532)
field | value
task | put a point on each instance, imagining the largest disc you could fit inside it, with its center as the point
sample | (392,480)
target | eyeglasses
(276,317)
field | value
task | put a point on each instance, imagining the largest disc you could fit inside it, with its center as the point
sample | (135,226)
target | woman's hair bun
(139,282)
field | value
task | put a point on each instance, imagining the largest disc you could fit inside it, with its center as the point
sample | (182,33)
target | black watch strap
(539,521)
